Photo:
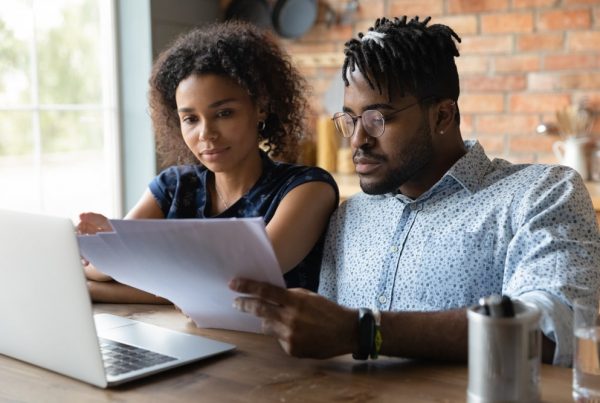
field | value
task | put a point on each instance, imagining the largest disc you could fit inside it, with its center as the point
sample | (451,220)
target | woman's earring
(441,132)
(261,126)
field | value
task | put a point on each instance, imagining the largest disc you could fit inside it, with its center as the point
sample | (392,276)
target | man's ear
(446,110)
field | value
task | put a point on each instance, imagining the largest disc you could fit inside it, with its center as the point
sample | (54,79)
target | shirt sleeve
(554,256)
(328,275)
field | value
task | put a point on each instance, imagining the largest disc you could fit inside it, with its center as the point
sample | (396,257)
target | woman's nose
(206,132)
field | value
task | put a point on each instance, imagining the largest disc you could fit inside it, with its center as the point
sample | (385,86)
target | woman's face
(218,121)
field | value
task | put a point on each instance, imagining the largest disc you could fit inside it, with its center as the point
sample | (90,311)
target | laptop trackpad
(158,339)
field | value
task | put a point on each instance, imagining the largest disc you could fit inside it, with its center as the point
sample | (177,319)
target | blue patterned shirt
(486,227)
(181,193)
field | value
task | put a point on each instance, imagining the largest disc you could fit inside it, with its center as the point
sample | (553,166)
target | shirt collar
(470,169)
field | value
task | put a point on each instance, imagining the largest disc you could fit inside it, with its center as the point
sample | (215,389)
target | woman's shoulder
(310,173)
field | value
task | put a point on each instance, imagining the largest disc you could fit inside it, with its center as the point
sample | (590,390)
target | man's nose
(360,136)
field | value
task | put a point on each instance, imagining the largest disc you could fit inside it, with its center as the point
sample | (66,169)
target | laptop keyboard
(121,358)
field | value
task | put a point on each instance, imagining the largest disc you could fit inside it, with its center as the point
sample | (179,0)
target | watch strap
(366,334)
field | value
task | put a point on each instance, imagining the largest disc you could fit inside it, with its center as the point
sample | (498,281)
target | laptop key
(121,358)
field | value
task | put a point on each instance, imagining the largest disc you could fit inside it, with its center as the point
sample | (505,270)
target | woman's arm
(299,221)
(103,288)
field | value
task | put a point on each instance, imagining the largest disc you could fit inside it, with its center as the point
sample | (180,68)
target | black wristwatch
(366,334)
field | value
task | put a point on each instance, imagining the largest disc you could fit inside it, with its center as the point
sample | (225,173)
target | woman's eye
(224,113)
(189,119)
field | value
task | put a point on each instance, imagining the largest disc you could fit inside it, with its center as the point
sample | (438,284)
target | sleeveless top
(181,192)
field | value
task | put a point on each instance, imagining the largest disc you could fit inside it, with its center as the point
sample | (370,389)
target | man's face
(403,153)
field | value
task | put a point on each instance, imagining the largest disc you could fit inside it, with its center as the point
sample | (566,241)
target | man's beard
(404,167)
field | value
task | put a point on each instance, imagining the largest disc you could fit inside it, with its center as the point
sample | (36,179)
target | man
(438,226)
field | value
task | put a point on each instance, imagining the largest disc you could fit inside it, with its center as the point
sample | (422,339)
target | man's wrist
(366,334)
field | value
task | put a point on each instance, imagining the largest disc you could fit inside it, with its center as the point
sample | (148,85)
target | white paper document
(189,262)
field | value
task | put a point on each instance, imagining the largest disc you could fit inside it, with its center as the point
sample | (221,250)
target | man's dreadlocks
(408,57)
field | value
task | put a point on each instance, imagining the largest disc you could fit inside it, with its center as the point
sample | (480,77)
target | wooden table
(259,371)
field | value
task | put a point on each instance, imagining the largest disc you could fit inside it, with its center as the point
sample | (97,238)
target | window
(58,113)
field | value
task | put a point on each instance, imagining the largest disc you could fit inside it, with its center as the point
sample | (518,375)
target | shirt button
(382,299)
(413,207)
(394,249)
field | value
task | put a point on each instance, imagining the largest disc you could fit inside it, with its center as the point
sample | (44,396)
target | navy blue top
(181,192)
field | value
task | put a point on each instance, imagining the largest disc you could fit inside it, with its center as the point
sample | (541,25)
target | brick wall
(520,61)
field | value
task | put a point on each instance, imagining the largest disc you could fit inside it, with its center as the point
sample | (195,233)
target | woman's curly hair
(250,57)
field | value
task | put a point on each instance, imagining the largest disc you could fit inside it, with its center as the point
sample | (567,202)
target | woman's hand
(91,273)
(92,223)
(89,224)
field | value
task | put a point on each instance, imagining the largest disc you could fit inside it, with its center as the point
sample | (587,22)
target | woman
(216,95)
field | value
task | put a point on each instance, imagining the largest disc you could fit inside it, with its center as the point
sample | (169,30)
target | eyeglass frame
(355,118)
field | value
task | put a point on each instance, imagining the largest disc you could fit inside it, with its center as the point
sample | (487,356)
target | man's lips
(365,165)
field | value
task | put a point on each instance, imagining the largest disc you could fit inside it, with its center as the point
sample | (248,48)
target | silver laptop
(46,315)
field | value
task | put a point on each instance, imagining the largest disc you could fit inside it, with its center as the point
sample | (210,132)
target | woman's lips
(213,154)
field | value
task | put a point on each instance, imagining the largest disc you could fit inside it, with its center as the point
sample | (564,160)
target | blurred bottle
(327,144)
(595,164)
(345,165)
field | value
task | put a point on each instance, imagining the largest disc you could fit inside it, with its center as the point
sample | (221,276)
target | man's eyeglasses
(373,121)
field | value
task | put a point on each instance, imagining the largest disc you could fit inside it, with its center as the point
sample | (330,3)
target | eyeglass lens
(372,120)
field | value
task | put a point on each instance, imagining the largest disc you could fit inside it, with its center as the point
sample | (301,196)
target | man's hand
(305,324)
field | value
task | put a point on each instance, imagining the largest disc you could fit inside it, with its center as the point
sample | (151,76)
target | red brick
(321,32)
(580,81)
(294,47)
(493,145)
(537,42)
(472,64)
(461,24)
(506,23)
(466,123)
(486,44)
(481,102)
(538,103)
(543,82)
(564,20)
(411,8)
(507,124)
(534,3)
(591,98)
(362,26)
(476,6)
(571,61)
(515,82)
(587,40)
(532,143)
(579,2)
(369,10)
(517,63)
(307,72)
